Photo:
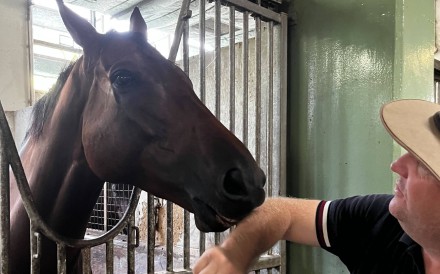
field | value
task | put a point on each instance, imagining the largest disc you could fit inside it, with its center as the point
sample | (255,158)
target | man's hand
(216,261)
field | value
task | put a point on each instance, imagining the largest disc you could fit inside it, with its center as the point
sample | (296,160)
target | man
(384,234)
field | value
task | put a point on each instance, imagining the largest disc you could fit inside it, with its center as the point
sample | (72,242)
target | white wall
(14,56)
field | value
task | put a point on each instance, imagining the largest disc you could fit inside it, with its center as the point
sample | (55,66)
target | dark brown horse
(124,114)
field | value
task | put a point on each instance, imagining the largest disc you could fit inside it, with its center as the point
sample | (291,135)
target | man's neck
(431,261)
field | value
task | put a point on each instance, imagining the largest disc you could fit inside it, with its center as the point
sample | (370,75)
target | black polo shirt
(366,237)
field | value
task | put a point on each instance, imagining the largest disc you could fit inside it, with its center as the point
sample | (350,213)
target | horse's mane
(44,107)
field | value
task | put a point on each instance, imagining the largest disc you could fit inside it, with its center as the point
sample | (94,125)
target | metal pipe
(202,83)
(170,228)
(217,31)
(245,75)
(105,206)
(4,201)
(35,242)
(258,105)
(232,69)
(151,233)
(86,260)
(270,130)
(61,258)
(202,57)
(186,216)
(109,264)
(179,29)
(132,243)
(30,53)
(267,14)
(283,119)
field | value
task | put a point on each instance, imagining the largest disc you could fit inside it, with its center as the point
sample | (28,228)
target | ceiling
(158,14)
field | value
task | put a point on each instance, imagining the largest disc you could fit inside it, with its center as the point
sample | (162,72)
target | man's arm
(277,219)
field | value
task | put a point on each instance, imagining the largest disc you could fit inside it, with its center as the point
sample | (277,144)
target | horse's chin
(209,220)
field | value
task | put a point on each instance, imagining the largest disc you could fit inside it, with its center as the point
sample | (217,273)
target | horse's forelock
(44,107)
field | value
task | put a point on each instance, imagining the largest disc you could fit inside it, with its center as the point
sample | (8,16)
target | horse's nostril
(234,184)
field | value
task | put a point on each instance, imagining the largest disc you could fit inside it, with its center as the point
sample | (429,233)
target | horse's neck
(63,186)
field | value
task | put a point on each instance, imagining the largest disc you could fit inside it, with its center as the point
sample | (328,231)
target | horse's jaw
(209,220)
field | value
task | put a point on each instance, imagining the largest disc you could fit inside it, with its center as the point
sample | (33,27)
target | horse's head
(144,125)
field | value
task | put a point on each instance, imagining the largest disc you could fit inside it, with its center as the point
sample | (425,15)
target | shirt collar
(406,239)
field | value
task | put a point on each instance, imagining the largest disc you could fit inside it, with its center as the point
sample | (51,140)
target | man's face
(416,201)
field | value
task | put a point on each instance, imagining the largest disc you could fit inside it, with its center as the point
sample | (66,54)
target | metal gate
(243,81)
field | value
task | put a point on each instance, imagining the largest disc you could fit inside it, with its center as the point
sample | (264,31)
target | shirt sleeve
(346,227)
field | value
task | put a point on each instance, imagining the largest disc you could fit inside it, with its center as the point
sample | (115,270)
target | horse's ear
(82,32)
(137,23)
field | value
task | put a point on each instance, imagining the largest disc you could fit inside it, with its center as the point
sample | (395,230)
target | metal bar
(105,206)
(170,228)
(254,8)
(186,215)
(4,202)
(270,130)
(258,105)
(232,68)
(30,50)
(179,30)
(202,57)
(86,260)
(202,243)
(270,110)
(245,75)
(266,262)
(109,264)
(35,245)
(131,245)
(61,258)
(283,120)
(151,233)
(218,55)
(202,83)
(57,47)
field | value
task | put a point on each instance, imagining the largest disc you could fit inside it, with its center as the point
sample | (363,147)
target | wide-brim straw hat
(412,124)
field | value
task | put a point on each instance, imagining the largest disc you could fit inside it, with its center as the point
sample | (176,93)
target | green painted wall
(347,58)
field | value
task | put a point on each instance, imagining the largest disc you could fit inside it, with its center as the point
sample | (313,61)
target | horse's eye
(122,79)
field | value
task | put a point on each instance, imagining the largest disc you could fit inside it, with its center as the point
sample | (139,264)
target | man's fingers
(201,264)
(214,261)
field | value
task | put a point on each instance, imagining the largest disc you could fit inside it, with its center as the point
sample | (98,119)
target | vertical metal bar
(151,233)
(131,245)
(217,31)
(202,57)
(105,206)
(232,68)
(283,119)
(245,75)
(109,257)
(178,32)
(4,202)
(186,220)
(269,132)
(218,56)
(86,260)
(61,258)
(170,228)
(202,83)
(270,111)
(30,51)
(258,88)
(35,240)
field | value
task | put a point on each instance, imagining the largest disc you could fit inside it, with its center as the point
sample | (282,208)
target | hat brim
(411,125)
